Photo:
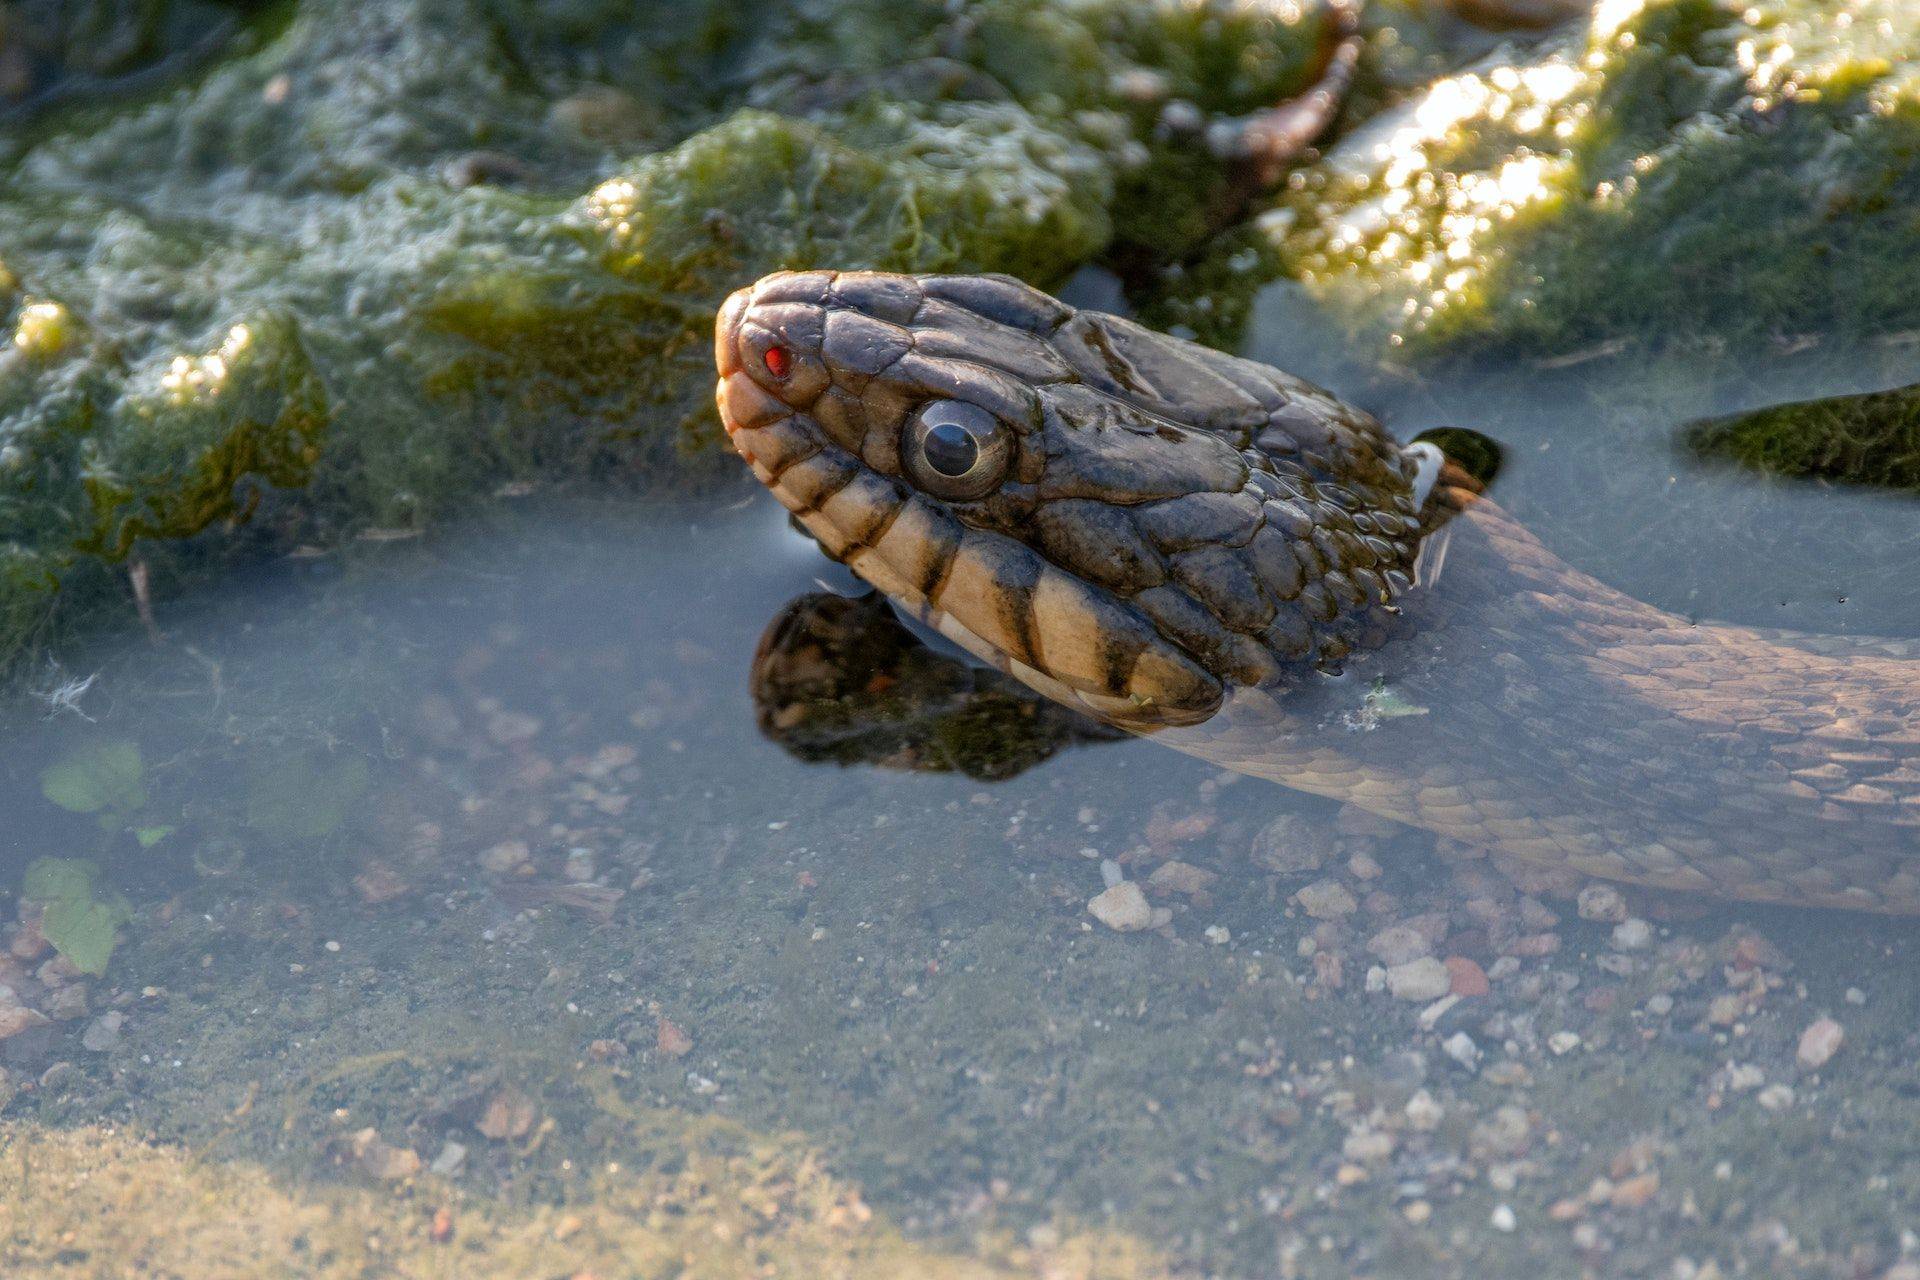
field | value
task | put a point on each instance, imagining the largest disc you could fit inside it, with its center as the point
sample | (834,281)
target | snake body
(1229,560)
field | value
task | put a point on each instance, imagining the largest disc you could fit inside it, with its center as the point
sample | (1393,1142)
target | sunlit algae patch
(344,263)
(1747,172)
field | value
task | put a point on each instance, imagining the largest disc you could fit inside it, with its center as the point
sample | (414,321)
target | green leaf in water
(103,776)
(151,836)
(305,795)
(77,917)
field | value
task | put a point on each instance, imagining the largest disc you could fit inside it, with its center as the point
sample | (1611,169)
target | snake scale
(1224,558)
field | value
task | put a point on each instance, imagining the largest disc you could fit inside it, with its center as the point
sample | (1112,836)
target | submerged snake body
(1228,559)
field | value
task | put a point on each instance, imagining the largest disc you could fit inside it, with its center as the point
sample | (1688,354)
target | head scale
(1128,523)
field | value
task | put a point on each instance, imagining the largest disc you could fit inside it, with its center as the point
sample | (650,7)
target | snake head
(1104,513)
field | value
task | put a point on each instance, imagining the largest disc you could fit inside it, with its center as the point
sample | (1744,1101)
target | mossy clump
(1871,439)
(1728,170)
(371,258)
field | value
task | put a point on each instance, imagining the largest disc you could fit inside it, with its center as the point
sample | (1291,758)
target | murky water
(456,917)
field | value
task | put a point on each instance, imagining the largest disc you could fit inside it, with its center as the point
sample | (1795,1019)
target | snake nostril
(779,362)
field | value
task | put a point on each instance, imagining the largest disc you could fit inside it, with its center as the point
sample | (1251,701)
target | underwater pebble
(1460,1047)
(1725,1010)
(1218,934)
(1505,1133)
(1181,877)
(1855,996)
(382,1161)
(452,1156)
(103,1033)
(1661,1005)
(1601,902)
(1291,844)
(1326,900)
(508,1113)
(15,1018)
(505,857)
(1122,908)
(1632,1193)
(1502,1218)
(28,943)
(1775,1097)
(1468,978)
(1632,934)
(508,727)
(1423,1113)
(1420,980)
(379,883)
(1563,1042)
(670,1040)
(1398,943)
(1818,1043)
(1367,1146)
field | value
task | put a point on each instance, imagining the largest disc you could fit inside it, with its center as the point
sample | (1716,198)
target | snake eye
(955,450)
(779,362)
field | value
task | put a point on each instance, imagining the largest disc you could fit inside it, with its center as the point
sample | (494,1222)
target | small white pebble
(1110,872)
(1219,935)
(1503,1219)
(1460,1047)
(1661,1005)
(332,945)
(1856,996)
(1562,1042)
(1818,1043)
(1632,934)
(1775,1097)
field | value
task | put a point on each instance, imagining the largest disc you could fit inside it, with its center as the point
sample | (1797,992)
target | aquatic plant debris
(346,265)
(105,778)
(80,918)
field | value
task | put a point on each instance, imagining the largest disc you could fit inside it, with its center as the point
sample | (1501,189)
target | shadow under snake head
(1125,522)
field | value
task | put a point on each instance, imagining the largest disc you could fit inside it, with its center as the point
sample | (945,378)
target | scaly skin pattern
(1223,557)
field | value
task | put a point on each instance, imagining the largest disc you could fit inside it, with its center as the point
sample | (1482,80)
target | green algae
(1681,171)
(1865,439)
(365,261)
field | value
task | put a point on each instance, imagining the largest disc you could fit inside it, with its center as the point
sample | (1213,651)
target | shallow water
(482,889)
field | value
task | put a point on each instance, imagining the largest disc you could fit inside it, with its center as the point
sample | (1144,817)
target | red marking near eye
(779,362)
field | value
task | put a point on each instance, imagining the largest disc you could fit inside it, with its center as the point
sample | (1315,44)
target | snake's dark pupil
(951,449)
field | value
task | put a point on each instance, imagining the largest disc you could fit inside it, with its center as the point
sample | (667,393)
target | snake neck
(1523,706)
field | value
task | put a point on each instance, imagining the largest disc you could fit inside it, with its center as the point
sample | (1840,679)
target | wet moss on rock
(1871,439)
(1679,169)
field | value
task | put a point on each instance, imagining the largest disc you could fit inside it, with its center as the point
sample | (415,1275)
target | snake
(1218,556)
